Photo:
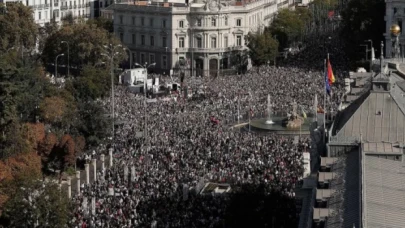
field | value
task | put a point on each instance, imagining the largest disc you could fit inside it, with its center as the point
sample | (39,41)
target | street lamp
(371,54)
(275,56)
(56,64)
(365,45)
(68,65)
(144,92)
(110,54)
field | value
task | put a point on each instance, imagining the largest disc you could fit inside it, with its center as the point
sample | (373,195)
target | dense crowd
(156,179)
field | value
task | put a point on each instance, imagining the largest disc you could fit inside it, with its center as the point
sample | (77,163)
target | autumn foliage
(52,109)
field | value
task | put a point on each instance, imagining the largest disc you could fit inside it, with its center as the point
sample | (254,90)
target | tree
(37,204)
(289,25)
(92,83)
(262,47)
(87,43)
(17,26)
(362,20)
(103,22)
(52,109)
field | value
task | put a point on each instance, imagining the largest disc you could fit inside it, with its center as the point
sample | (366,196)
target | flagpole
(324,102)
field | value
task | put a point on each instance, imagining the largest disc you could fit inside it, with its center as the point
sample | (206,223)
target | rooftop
(384,193)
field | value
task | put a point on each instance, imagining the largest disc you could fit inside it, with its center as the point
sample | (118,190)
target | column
(102,162)
(133,173)
(110,154)
(93,205)
(78,182)
(94,161)
(87,170)
(69,184)
(126,173)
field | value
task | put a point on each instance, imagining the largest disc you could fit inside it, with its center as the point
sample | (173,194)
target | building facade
(44,11)
(394,14)
(204,35)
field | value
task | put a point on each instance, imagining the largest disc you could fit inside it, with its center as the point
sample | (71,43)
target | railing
(46,6)
(70,7)
(75,6)
(56,4)
(63,7)
(87,4)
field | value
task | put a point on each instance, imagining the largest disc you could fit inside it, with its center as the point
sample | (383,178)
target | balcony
(46,6)
(56,4)
(87,4)
(64,7)
(70,7)
(74,7)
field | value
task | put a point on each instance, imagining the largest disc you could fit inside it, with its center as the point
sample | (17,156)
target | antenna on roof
(382,56)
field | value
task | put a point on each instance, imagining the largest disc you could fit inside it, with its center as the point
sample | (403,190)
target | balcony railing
(74,7)
(63,7)
(46,6)
(56,4)
(87,4)
(70,7)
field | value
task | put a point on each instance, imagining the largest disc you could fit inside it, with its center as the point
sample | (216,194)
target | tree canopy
(86,44)
(36,203)
(17,27)
(263,47)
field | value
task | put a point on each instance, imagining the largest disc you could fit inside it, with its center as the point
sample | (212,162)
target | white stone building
(394,14)
(45,11)
(206,34)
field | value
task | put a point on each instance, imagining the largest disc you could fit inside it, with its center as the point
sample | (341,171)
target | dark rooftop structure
(361,182)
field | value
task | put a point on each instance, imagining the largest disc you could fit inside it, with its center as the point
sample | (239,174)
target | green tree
(92,83)
(103,22)
(362,20)
(289,25)
(263,47)
(87,43)
(34,203)
(17,27)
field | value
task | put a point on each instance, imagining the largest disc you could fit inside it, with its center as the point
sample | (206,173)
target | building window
(151,22)
(152,41)
(238,22)
(164,62)
(199,22)
(239,41)
(122,37)
(133,20)
(213,42)
(225,41)
(142,39)
(226,21)
(39,15)
(121,19)
(143,21)
(133,38)
(181,42)
(181,24)
(213,22)
(164,41)
(163,23)
(151,58)
(199,42)
(101,4)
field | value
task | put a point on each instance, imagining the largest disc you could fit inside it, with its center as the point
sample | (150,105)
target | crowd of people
(157,177)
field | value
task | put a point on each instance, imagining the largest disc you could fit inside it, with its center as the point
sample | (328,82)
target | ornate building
(45,11)
(395,14)
(205,34)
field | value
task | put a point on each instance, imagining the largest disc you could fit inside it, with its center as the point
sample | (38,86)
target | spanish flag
(331,77)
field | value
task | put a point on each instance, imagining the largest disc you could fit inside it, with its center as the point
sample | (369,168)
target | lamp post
(275,56)
(371,54)
(56,64)
(366,46)
(110,54)
(145,67)
(68,65)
